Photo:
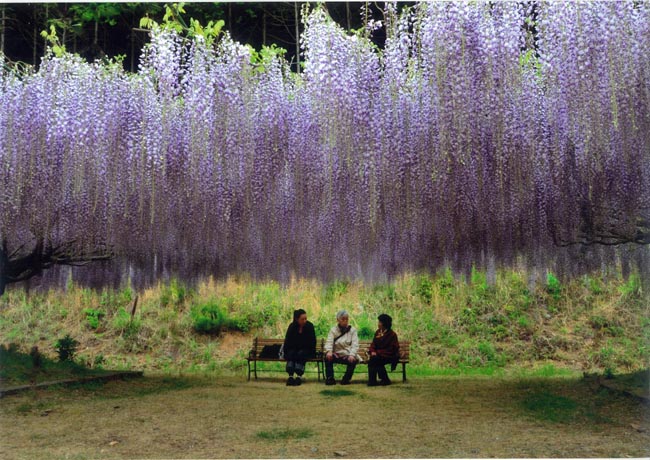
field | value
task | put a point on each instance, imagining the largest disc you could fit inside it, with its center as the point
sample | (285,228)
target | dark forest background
(96,30)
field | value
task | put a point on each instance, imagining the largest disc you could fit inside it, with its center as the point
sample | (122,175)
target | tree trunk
(96,32)
(2,36)
(35,42)
(264,26)
(297,18)
(491,272)
(347,14)
(4,262)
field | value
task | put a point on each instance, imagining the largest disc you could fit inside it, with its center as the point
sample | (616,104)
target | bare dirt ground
(227,417)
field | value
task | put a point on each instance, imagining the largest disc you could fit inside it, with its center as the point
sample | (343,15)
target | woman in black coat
(299,346)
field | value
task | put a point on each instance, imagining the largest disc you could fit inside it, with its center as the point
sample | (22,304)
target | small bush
(66,348)
(93,317)
(125,324)
(424,288)
(209,318)
(632,287)
(553,286)
(365,327)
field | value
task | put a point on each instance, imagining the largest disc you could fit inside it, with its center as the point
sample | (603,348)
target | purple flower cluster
(471,139)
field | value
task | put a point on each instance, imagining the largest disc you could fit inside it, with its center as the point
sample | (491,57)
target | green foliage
(174,294)
(322,326)
(93,317)
(209,317)
(262,59)
(553,286)
(632,287)
(365,326)
(424,288)
(66,348)
(334,290)
(125,324)
(52,38)
(594,285)
(173,20)
(446,283)
(96,12)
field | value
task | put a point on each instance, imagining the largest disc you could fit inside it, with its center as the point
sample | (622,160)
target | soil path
(227,417)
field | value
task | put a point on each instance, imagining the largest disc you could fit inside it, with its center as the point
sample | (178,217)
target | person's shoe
(290,382)
(330,381)
(345,381)
(297,381)
(385,383)
(373,384)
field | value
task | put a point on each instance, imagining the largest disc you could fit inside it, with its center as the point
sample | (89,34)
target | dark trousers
(329,367)
(376,367)
(296,360)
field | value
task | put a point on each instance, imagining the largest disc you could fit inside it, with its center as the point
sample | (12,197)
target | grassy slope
(590,324)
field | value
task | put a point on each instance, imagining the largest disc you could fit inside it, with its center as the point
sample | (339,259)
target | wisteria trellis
(459,143)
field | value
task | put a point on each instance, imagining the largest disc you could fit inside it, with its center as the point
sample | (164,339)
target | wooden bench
(267,350)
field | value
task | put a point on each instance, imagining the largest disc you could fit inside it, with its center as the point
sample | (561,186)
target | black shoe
(297,381)
(373,384)
(330,381)
(385,383)
(345,381)
(290,382)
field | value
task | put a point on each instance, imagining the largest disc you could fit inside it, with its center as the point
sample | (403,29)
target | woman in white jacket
(341,346)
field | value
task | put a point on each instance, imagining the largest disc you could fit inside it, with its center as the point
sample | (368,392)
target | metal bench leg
(255,368)
(318,367)
(249,372)
(403,372)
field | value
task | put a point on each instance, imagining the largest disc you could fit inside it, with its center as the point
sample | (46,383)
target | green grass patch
(550,407)
(337,393)
(285,433)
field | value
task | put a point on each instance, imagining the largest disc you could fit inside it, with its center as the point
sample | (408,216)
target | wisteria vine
(481,134)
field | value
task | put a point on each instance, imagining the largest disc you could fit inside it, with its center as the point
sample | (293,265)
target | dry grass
(226,417)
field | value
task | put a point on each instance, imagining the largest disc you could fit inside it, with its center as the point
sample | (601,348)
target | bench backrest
(260,342)
(404,350)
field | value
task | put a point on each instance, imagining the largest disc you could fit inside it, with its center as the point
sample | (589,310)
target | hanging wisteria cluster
(483,133)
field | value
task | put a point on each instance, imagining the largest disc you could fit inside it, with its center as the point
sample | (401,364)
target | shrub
(553,286)
(365,327)
(125,324)
(93,317)
(209,318)
(424,288)
(66,348)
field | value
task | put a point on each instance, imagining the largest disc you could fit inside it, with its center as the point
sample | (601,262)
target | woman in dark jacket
(383,350)
(299,346)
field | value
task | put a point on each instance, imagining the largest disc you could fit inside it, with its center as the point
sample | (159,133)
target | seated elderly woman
(384,349)
(341,346)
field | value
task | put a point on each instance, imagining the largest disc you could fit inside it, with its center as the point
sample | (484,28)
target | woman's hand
(328,356)
(373,353)
(351,359)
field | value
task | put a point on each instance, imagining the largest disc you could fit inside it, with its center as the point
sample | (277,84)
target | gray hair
(341,314)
